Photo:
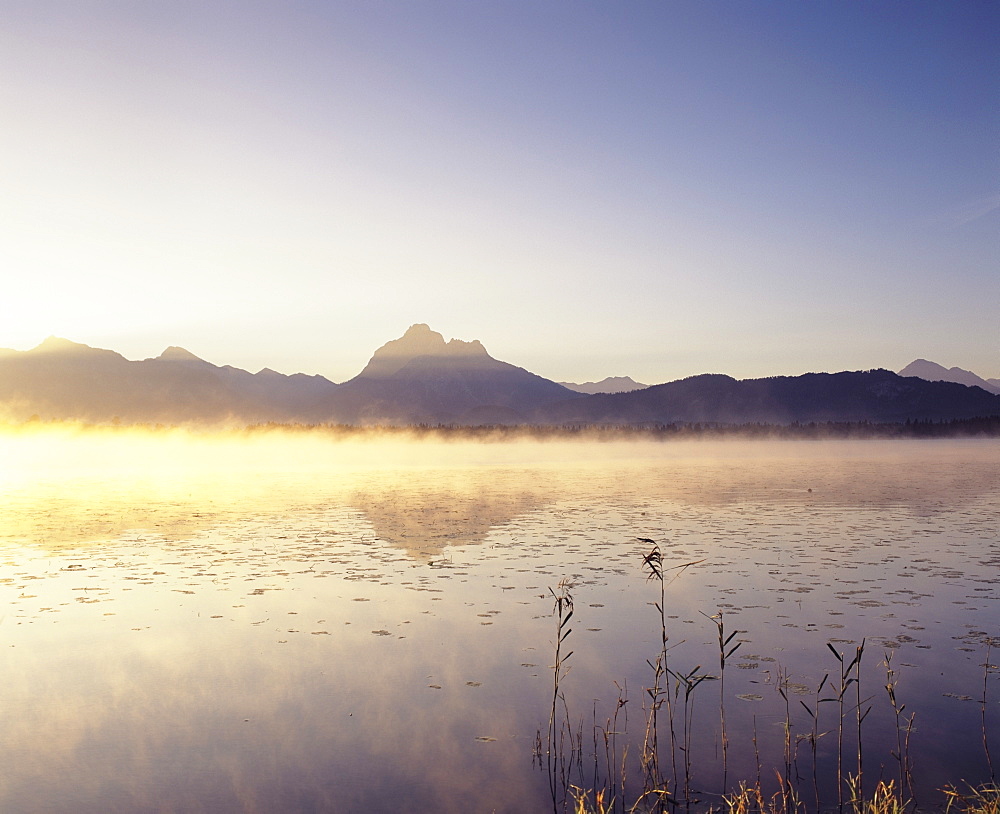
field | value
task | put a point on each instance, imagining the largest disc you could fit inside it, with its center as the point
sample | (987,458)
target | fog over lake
(287,622)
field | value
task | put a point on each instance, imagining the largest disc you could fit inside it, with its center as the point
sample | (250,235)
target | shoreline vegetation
(599,773)
(979,427)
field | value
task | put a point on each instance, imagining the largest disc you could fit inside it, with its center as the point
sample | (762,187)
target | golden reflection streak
(172,694)
(69,485)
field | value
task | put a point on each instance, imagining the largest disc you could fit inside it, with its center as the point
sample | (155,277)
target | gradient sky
(655,189)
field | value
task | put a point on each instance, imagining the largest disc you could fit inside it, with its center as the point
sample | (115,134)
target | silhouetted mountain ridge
(60,379)
(875,395)
(933,372)
(420,342)
(421,379)
(612,384)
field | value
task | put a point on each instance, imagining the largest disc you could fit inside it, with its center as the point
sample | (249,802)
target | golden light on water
(228,616)
(66,484)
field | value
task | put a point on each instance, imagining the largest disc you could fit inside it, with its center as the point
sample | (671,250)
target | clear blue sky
(655,189)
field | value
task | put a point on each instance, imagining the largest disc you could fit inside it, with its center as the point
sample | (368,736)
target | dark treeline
(983,427)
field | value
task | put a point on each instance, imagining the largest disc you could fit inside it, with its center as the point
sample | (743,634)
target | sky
(652,188)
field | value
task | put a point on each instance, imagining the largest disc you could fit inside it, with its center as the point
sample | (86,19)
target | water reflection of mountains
(425,518)
(423,511)
(420,512)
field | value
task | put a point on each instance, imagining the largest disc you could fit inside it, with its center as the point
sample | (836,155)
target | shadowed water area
(300,624)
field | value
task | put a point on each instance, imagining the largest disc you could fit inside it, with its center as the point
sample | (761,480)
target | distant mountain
(933,372)
(64,380)
(420,378)
(877,396)
(612,384)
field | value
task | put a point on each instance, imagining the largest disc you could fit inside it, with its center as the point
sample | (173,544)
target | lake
(294,623)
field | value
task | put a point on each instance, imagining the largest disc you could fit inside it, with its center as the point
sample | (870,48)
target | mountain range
(933,372)
(422,379)
(612,384)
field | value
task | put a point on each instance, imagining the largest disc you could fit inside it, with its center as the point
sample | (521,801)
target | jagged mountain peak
(419,341)
(458,347)
(176,354)
(417,338)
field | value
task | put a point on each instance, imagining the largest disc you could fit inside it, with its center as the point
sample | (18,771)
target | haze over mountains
(422,379)
(612,384)
(64,380)
(933,372)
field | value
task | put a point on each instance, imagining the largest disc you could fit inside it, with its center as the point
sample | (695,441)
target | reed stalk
(860,715)
(658,693)
(563,610)
(986,676)
(841,691)
(902,753)
(676,689)
(784,780)
(814,734)
(688,682)
(725,652)
(616,772)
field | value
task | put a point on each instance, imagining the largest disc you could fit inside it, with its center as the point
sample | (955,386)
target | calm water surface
(294,624)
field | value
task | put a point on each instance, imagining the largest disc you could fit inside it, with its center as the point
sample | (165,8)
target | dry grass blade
(980,800)
(884,800)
